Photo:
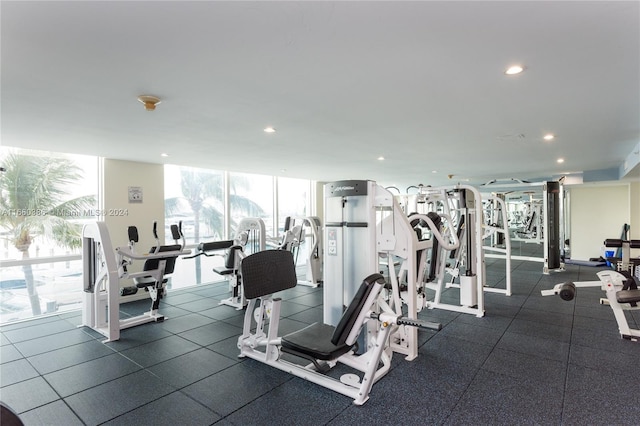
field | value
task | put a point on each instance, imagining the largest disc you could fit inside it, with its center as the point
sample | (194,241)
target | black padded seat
(314,341)
(325,342)
(628,296)
(630,292)
(147,281)
(223,271)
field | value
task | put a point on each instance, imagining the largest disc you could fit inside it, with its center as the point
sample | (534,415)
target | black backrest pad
(215,245)
(175,232)
(230,259)
(151,264)
(267,272)
(631,282)
(350,316)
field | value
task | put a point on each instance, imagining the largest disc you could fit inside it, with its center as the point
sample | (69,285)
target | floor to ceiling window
(45,200)
(196,197)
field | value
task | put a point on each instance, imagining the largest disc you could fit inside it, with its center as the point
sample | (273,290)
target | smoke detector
(149,101)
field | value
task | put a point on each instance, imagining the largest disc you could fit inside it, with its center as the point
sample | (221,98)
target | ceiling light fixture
(514,69)
(149,101)
(549,137)
(269,130)
(381,158)
(164,154)
(560,160)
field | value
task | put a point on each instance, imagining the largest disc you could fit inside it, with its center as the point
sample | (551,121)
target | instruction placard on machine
(332,242)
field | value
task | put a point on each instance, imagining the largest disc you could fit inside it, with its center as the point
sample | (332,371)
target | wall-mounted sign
(135,194)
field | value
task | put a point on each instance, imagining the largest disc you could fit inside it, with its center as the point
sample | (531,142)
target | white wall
(118,177)
(120,213)
(598,213)
(634,200)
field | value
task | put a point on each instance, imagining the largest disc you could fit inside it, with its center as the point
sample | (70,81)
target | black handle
(420,323)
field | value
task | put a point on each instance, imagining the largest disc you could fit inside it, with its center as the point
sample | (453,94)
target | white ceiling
(420,83)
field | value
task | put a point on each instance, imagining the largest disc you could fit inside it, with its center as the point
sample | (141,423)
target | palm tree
(202,193)
(34,203)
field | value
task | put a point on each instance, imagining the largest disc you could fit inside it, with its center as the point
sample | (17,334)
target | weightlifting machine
(549,219)
(305,230)
(250,237)
(103,267)
(324,346)
(620,287)
(463,267)
(366,230)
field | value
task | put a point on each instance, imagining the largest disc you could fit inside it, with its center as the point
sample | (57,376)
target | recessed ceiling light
(514,69)
(269,130)
(164,154)
(560,160)
(381,158)
(549,137)
(434,171)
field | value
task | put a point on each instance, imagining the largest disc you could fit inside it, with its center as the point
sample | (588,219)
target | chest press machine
(620,287)
(269,272)
(233,253)
(103,267)
(305,230)
(250,235)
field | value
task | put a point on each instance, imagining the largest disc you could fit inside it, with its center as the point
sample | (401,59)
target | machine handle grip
(419,323)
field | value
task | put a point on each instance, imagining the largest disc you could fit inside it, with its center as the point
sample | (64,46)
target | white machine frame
(397,242)
(246,227)
(103,268)
(313,274)
(611,282)
(354,239)
(260,340)
(545,222)
(308,230)
(498,208)
(471,286)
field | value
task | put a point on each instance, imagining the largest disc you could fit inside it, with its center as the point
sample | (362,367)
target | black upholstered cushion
(314,341)
(628,296)
(349,317)
(325,342)
(152,264)
(267,272)
(230,260)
